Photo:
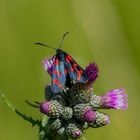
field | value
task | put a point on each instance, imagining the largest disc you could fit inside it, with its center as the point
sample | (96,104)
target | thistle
(76,108)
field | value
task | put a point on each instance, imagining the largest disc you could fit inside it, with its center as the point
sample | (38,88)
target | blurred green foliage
(106,32)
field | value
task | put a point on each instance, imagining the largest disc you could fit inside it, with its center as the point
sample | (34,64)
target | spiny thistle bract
(76,107)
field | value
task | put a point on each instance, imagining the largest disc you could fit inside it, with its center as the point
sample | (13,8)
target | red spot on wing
(67,60)
(57,73)
(78,77)
(79,73)
(54,72)
(56,62)
(69,57)
(65,71)
(72,69)
(74,65)
(57,82)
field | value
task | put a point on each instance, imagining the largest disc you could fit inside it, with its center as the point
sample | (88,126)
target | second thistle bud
(84,112)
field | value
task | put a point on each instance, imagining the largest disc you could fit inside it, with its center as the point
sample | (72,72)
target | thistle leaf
(35,104)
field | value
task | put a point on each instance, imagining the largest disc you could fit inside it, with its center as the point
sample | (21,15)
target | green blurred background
(104,31)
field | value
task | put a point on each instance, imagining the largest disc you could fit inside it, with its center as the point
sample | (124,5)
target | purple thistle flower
(101,120)
(89,115)
(73,130)
(51,108)
(48,64)
(92,73)
(84,112)
(45,107)
(116,99)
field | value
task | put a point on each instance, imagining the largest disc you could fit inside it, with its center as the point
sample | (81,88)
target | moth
(65,70)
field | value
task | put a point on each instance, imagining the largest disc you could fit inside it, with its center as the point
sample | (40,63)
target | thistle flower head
(73,130)
(101,120)
(45,107)
(76,133)
(116,99)
(84,112)
(51,108)
(92,73)
(89,115)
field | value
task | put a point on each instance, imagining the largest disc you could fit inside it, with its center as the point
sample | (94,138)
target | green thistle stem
(41,124)
(5,100)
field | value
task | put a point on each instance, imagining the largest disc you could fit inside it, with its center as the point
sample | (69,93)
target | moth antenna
(45,45)
(64,35)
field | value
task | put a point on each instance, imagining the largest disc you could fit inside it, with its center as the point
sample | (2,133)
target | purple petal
(92,73)
(116,99)
(89,115)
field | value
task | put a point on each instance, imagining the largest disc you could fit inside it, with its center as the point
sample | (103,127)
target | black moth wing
(74,70)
